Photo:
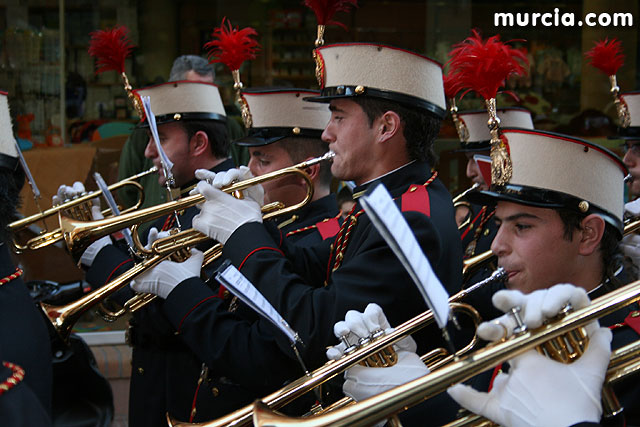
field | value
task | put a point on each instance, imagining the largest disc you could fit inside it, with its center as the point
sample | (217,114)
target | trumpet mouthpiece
(628,179)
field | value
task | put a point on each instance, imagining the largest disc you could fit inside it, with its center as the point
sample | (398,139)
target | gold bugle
(458,202)
(391,402)
(47,238)
(80,234)
(295,389)
(64,317)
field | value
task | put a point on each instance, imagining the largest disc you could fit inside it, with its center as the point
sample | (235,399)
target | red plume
(606,56)
(232,46)
(110,48)
(326,9)
(451,85)
(483,66)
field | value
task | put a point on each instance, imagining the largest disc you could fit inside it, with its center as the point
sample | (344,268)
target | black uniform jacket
(24,336)
(293,280)
(313,223)
(19,405)
(165,372)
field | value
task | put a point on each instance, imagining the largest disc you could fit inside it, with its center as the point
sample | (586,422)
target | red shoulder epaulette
(633,321)
(328,227)
(416,199)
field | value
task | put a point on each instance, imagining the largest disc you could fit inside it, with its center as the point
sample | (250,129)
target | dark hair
(420,128)
(185,63)
(610,252)
(344,195)
(216,132)
(301,148)
(11,182)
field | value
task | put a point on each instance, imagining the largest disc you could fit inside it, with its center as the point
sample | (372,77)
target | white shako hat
(379,71)
(632,99)
(476,123)
(8,150)
(279,113)
(551,170)
(183,100)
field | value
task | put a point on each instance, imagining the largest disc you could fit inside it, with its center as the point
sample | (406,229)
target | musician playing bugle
(555,227)
(382,128)
(193,134)
(284,132)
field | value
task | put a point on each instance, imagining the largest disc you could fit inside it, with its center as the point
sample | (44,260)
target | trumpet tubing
(77,206)
(64,317)
(295,389)
(139,300)
(391,402)
(79,234)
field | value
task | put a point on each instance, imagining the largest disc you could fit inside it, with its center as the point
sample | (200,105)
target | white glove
(222,214)
(226,178)
(162,278)
(154,235)
(539,391)
(535,308)
(66,193)
(362,382)
(632,208)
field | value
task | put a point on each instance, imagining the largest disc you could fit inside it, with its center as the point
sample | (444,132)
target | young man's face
(268,158)
(473,171)
(632,160)
(531,246)
(174,142)
(350,137)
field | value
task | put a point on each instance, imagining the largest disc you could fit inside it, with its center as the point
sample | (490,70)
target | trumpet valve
(384,358)
(521,327)
(569,347)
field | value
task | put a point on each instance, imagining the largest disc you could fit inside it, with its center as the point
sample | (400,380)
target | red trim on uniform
(416,199)
(256,250)
(281,238)
(193,404)
(117,267)
(189,312)
(328,228)
(633,321)
(496,371)
(2,92)
(221,290)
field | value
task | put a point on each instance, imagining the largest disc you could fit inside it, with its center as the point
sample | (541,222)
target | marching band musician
(285,131)
(559,226)
(25,350)
(192,131)
(384,119)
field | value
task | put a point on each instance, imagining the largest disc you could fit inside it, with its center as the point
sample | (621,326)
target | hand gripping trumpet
(79,204)
(299,387)
(391,402)
(80,234)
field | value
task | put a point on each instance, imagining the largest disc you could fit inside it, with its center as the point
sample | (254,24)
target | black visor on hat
(8,162)
(179,117)
(268,135)
(329,93)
